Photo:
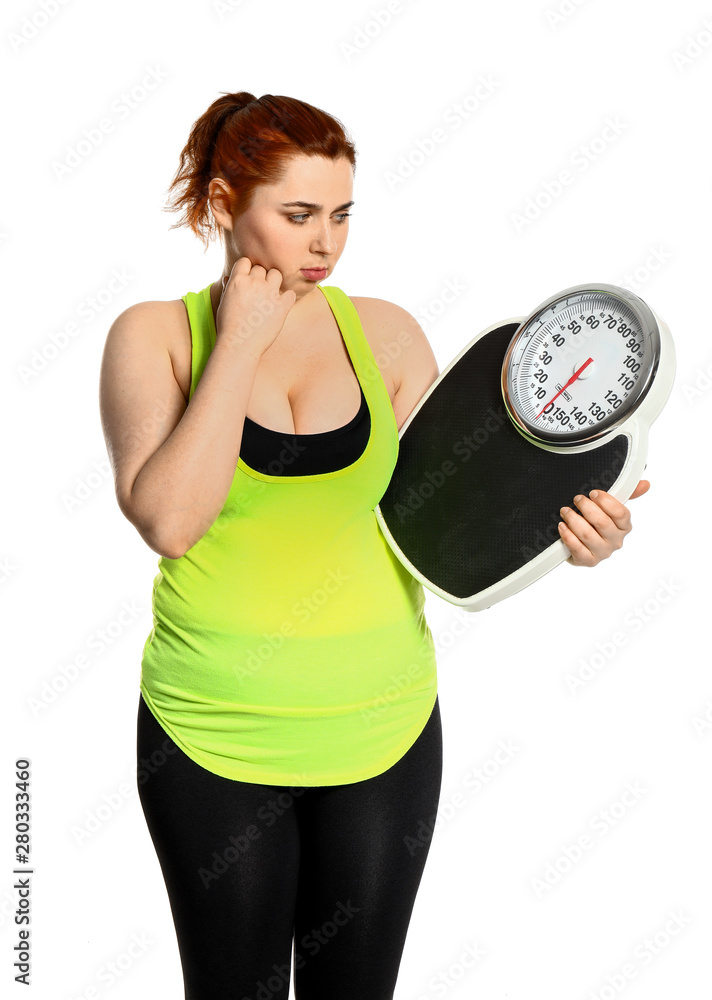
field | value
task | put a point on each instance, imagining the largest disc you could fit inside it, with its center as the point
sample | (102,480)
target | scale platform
(472,508)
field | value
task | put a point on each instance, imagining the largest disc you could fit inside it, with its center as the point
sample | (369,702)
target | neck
(306,305)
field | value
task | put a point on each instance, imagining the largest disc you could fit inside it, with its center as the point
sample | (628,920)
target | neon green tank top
(289,644)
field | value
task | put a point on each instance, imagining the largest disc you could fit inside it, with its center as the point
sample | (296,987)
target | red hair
(247,141)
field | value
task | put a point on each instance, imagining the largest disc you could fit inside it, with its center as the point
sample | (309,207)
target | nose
(324,241)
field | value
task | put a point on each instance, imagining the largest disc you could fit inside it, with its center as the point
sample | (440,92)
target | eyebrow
(311,204)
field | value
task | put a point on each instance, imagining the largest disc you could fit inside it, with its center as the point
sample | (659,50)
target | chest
(305,385)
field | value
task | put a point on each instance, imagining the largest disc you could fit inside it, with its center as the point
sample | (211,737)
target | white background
(638,215)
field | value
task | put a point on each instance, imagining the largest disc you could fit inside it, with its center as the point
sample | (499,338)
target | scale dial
(580,364)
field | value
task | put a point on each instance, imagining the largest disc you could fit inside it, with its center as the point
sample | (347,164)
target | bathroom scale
(532,412)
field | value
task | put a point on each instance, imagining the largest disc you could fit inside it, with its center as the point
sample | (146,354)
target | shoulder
(165,322)
(157,315)
(384,315)
(401,349)
(396,338)
(155,326)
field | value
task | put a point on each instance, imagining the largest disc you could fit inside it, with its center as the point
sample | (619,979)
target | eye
(343,216)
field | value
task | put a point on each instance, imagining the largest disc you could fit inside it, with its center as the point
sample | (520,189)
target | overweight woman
(288,732)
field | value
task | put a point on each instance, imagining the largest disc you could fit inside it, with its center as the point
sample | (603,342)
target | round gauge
(580,364)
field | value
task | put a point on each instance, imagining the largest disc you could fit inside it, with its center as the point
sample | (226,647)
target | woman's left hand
(600,528)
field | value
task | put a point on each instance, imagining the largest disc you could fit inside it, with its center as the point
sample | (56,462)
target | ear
(218,198)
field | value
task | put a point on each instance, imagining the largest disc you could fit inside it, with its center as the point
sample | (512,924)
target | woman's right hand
(252,310)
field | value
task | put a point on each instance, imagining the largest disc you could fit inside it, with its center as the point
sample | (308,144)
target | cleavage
(315,404)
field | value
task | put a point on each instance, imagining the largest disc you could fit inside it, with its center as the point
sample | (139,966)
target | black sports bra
(274,453)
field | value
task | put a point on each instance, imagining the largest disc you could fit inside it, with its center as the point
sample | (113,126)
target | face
(291,237)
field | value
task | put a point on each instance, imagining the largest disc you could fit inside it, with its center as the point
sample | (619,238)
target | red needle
(572,379)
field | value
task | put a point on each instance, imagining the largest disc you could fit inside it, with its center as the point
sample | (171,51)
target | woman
(289,740)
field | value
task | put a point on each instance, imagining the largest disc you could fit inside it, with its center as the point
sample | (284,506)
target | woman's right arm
(173,463)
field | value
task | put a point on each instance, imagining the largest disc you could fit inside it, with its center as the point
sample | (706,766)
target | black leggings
(249,868)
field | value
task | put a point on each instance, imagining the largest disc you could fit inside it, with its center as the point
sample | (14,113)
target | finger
(642,487)
(580,554)
(593,513)
(601,536)
(615,510)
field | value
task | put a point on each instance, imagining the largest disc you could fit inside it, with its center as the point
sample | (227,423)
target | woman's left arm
(599,529)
